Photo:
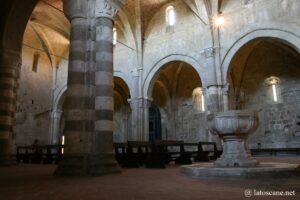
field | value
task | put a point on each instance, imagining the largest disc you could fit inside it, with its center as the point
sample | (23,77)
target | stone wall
(39,89)
(278,120)
(122,125)
(34,100)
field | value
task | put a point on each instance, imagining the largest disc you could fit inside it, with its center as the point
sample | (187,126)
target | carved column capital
(225,88)
(75,9)
(204,91)
(208,52)
(107,8)
(57,114)
(147,102)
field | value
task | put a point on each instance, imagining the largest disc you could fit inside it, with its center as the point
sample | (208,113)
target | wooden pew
(158,153)
(164,151)
(136,154)
(52,154)
(275,151)
(24,154)
(205,154)
(120,151)
(47,154)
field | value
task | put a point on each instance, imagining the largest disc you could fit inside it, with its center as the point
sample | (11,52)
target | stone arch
(150,77)
(122,110)
(122,88)
(126,79)
(287,37)
(17,14)
(59,99)
(266,74)
(57,120)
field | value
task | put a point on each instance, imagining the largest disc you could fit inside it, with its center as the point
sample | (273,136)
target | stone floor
(35,182)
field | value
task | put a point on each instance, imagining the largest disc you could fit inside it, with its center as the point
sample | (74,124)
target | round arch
(148,83)
(121,88)
(16,12)
(126,79)
(286,37)
(58,101)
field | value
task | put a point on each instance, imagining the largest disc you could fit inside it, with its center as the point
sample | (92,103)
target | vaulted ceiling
(50,12)
(134,17)
(48,30)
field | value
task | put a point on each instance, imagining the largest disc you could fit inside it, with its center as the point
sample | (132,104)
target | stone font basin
(233,127)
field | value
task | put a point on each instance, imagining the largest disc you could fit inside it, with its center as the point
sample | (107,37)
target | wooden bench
(158,153)
(165,151)
(132,154)
(137,153)
(205,151)
(42,154)
(275,151)
(52,154)
(120,151)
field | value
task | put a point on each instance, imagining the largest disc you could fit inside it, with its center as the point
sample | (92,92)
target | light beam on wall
(202,101)
(198,99)
(274,93)
(273,82)
(170,16)
(115,36)
(62,143)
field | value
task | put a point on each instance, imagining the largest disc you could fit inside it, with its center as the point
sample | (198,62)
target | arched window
(273,82)
(198,99)
(35,64)
(170,16)
(115,36)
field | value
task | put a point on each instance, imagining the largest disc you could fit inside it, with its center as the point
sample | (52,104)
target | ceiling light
(219,21)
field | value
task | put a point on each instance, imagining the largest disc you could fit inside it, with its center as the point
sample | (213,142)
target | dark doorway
(154,123)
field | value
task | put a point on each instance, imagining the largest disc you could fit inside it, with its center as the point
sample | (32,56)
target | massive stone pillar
(10,63)
(104,106)
(79,98)
(89,101)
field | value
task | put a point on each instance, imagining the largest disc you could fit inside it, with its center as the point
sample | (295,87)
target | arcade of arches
(61,74)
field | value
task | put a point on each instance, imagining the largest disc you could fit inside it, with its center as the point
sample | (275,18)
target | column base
(87,165)
(235,161)
(8,159)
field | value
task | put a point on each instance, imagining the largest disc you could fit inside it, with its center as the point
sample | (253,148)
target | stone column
(145,104)
(89,101)
(212,101)
(225,97)
(79,102)
(10,62)
(105,10)
(134,105)
(55,126)
(212,87)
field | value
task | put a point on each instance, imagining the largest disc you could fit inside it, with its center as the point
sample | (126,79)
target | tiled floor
(36,182)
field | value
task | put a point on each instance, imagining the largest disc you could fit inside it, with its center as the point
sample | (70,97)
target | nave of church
(179,99)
